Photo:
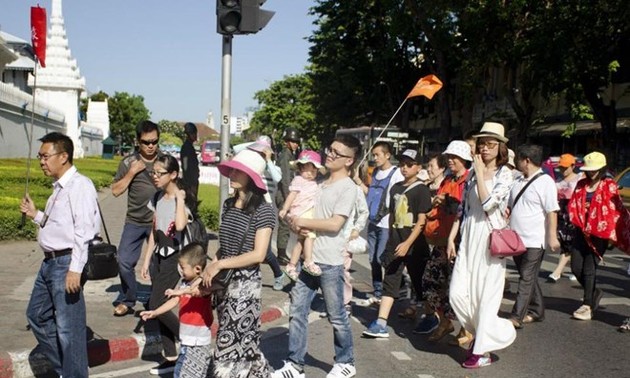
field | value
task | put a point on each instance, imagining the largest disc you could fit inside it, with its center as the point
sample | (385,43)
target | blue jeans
(377,240)
(129,250)
(57,319)
(331,283)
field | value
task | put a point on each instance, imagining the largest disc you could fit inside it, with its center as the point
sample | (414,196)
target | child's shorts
(308,214)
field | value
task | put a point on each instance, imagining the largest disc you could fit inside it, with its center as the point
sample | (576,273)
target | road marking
(425,376)
(401,356)
(118,373)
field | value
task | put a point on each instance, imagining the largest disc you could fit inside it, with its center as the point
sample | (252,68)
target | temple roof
(61,69)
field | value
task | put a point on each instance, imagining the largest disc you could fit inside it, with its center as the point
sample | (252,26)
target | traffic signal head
(241,16)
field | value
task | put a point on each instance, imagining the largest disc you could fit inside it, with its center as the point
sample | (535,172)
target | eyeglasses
(334,154)
(158,173)
(488,144)
(45,157)
(406,163)
(149,142)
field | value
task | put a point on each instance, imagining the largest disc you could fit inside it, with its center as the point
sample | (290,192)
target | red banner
(38,33)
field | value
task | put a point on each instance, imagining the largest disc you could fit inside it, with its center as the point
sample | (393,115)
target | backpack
(377,195)
(195,230)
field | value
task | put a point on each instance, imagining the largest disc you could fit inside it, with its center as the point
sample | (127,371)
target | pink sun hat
(262,144)
(308,156)
(249,162)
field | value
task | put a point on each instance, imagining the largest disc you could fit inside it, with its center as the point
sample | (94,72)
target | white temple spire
(61,83)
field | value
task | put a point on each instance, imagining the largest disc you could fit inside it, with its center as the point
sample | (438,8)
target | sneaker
(583,313)
(163,368)
(476,361)
(428,324)
(291,271)
(278,283)
(376,331)
(342,371)
(571,277)
(625,326)
(552,279)
(288,371)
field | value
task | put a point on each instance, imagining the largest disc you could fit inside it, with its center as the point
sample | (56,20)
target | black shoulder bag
(221,281)
(102,257)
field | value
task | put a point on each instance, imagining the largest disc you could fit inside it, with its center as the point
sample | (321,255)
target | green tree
(173,128)
(287,102)
(363,61)
(125,112)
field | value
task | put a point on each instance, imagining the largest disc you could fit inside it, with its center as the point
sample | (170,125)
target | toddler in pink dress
(300,203)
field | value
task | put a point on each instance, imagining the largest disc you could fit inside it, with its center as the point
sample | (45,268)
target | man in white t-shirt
(385,175)
(533,215)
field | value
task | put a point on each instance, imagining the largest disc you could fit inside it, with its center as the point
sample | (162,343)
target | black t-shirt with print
(418,201)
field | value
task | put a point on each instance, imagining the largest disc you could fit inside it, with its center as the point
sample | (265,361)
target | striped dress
(237,352)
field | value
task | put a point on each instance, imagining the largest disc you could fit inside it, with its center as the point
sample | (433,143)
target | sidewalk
(110,338)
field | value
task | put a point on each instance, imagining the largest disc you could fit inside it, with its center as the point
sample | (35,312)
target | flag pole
(382,132)
(30,141)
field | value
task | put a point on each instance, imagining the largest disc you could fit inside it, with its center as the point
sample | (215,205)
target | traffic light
(241,16)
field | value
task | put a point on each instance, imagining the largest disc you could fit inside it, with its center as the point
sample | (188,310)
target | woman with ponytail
(172,208)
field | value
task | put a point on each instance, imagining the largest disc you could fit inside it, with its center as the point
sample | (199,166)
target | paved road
(557,347)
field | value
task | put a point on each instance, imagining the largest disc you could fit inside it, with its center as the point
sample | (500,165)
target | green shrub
(13,180)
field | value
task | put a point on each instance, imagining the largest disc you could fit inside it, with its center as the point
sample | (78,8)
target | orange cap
(566,160)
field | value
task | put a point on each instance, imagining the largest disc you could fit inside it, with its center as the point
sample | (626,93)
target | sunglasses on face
(149,142)
(406,163)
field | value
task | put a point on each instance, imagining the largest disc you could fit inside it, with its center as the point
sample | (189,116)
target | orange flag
(426,86)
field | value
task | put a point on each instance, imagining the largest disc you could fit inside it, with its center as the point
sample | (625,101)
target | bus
(210,152)
(400,140)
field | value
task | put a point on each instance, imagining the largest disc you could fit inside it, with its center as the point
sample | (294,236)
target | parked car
(623,181)
(210,152)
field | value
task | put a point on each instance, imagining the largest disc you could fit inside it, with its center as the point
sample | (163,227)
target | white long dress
(478,279)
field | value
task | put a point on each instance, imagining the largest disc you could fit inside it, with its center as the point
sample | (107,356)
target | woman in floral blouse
(597,211)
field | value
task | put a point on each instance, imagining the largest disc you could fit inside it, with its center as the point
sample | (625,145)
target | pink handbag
(506,242)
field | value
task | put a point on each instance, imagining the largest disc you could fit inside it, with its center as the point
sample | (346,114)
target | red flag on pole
(38,33)
(426,86)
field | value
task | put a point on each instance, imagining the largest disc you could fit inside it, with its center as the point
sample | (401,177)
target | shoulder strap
(412,186)
(518,196)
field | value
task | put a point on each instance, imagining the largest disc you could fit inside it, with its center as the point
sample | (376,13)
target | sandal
(443,329)
(291,271)
(625,326)
(122,310)
(463,337)
(312,269)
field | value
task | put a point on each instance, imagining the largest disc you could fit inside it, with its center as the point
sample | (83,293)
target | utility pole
(234,17)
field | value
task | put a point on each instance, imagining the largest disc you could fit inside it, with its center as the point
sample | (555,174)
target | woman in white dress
(477,282)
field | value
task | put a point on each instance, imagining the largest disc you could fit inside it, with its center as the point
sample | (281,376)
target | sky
(169,52)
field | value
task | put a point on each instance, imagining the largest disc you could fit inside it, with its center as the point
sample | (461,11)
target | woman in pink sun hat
(299,203)
(247,221)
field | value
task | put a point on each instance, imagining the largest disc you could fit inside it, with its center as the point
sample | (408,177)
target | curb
(31,363)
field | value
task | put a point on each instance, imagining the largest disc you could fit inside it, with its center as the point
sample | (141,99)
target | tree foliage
(173,128)
(363,60)
(125,112)
(287,103)
(365,56)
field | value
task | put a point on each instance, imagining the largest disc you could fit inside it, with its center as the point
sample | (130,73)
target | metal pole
(226,105)
(30,141)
